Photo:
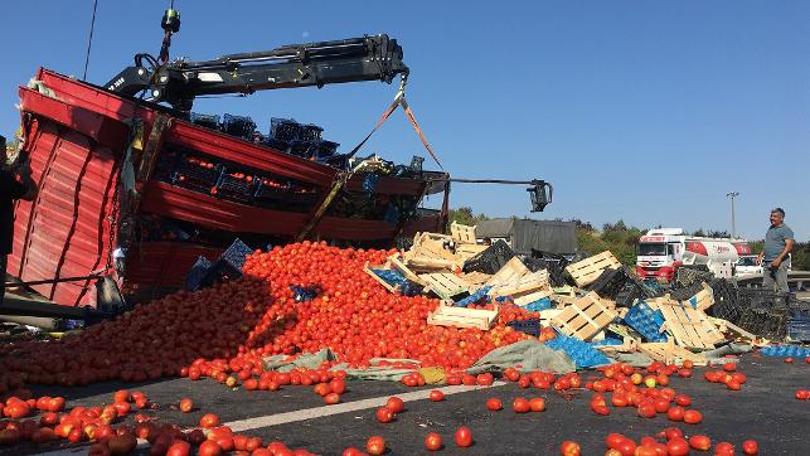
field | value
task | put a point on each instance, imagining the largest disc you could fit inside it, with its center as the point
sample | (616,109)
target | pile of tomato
(233,325)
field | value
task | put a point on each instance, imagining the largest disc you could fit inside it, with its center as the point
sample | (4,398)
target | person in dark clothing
(15,183)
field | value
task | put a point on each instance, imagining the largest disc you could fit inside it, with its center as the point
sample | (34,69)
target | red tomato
(433,442)
(677,447)
(209,421)
(569,448)
(436,396)
(186,405)
(700,442)
(521,405)
(683,400)
(375,445)
(179,448)
(209,448)
(692,417)
(537,404)
(494,404)
(676,413)
(463,437)
(384,415)
(395,404)
(724,449)
(331,398)
(750,447)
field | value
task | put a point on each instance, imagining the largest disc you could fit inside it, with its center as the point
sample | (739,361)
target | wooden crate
(565,290)
(529,298)
(396,262)
(529,283)
(690,327)
(588,270)
(585,318)
(462,234)
(655,303)
(703,299)
(726,326)
(444,284)
(511,272)
(629,344)
(476,279)
(466,251)
(462,317)
(564,300)
(669,353)
(369,270)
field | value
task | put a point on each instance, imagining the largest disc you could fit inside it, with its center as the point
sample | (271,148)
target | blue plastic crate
(785,351)
(646,321)
(798,327)
(196,275)
(396,279)
(582,353)
(537,306)
(531,326)
(474,298)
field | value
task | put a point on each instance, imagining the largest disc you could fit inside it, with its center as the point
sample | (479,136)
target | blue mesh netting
(302,293)
(784,351)
(395,278)
(582,353)
(537,306)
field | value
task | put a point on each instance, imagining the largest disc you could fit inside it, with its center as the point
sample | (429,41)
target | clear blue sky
(645,111)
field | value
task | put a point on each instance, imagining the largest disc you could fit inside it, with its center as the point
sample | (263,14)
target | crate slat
(668,353)
(461,317)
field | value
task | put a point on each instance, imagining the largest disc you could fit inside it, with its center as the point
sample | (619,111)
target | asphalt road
(764,410)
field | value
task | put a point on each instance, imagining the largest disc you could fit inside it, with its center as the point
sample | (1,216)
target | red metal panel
(68,233)
(163,264)
(249,154)
(164,199)
(102,129)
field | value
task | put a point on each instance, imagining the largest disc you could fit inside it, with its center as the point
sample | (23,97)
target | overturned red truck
(133,188)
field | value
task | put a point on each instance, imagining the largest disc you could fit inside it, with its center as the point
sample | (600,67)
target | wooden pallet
(585,318)
(669,353)
(462,317)
(565,290)
(690,327)
(444,284)
(588,270)
(703,299)
(655,303)
(462,234)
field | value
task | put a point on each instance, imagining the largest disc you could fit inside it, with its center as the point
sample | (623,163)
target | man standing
(14,184)
(778,244)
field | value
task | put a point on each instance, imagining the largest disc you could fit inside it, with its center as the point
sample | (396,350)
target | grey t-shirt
(775,241)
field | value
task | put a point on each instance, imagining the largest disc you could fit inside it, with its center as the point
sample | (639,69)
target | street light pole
(733,195)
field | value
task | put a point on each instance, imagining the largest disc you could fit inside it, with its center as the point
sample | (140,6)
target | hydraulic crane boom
(298,65)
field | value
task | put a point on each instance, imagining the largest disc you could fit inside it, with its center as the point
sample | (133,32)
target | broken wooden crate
(669,353)
(462,317)
(703,299)
(690,327)
(585,318)
(588,270)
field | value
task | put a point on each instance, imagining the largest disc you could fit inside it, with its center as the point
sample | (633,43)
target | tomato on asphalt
(433,442)
(463,437)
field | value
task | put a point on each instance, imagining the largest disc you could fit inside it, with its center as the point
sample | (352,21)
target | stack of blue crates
(582,353)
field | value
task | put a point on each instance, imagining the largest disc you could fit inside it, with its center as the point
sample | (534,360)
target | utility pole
(733,195)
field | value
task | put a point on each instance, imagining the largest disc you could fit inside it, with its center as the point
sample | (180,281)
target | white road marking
(328,410)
